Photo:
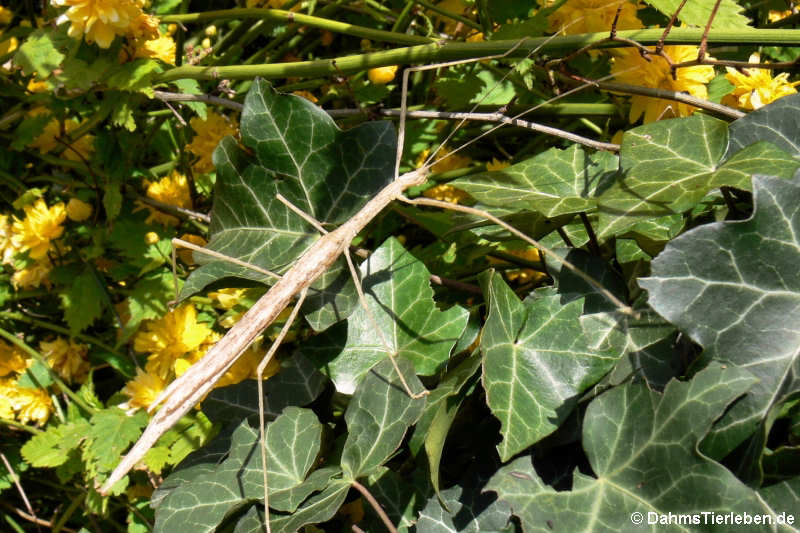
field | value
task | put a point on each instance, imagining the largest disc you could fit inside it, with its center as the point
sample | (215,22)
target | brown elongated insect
(192,386)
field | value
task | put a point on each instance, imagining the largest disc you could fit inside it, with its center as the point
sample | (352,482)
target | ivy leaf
(757,158)
(642,448)
(734,288)
(727,17)
(555,182)
(441,408)
(298,383)
(775,123)
(400,301)
(461,510)
(203,501)
(319,508)
(83,301)
(298,152)
(538,358)
(378,416)
(42,52)
(666,167)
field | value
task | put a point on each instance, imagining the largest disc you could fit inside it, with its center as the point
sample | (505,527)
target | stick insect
(188,390)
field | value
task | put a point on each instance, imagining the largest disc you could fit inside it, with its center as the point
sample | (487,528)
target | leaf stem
(375,505)
(15,315)
(280,15)
(428,53)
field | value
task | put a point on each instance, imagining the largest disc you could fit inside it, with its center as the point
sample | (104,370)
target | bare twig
(375,505)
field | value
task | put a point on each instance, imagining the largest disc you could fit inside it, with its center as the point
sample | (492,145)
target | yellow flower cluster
(630,67)
(207,134)
(35,234)
(173,190)
(101,21)
(522,275)
(67,358)
(174,343)
(79,150)
(6,45)
(593,16)
(20,403)
(755,87)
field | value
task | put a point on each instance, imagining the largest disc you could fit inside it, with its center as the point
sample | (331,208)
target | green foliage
(547,409)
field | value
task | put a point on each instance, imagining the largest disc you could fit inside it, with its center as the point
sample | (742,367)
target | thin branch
(497,118)
(166,96)
(38,521)
(174,210)
(718,109)
(375,505)
(17,484)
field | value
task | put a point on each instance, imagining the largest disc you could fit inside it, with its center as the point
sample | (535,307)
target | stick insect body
(178,399)
(188,390)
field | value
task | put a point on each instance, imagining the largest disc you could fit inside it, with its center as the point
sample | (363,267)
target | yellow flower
(447,161)
(151,237)
(5,15)
(37,86)
(7,246)
(31,405)
(12,359)
(308,95)
(382,75)
(78,210)
(99,20)
(162,47)
(169,338)
(630,67)
(50,138)
(144,27)
(228,298)
(8,45)
(247,366)
(446,193)
(67,358)
(7,387)
(775,16)
(185,254)
(457,7)
(593,16)
(142,390)
(755,87)
(496,164)
(522,275)
(208,133)
(172,190)
(40,226)
(33,276)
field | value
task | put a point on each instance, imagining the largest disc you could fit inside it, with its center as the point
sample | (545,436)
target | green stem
(53,375)
(19,317)
(24,427)
(304,20)
(431,53)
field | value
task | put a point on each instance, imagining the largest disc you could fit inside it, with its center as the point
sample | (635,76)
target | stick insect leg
(371,317)
(621,306)
(362,299)
(260,377)
(216,255)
